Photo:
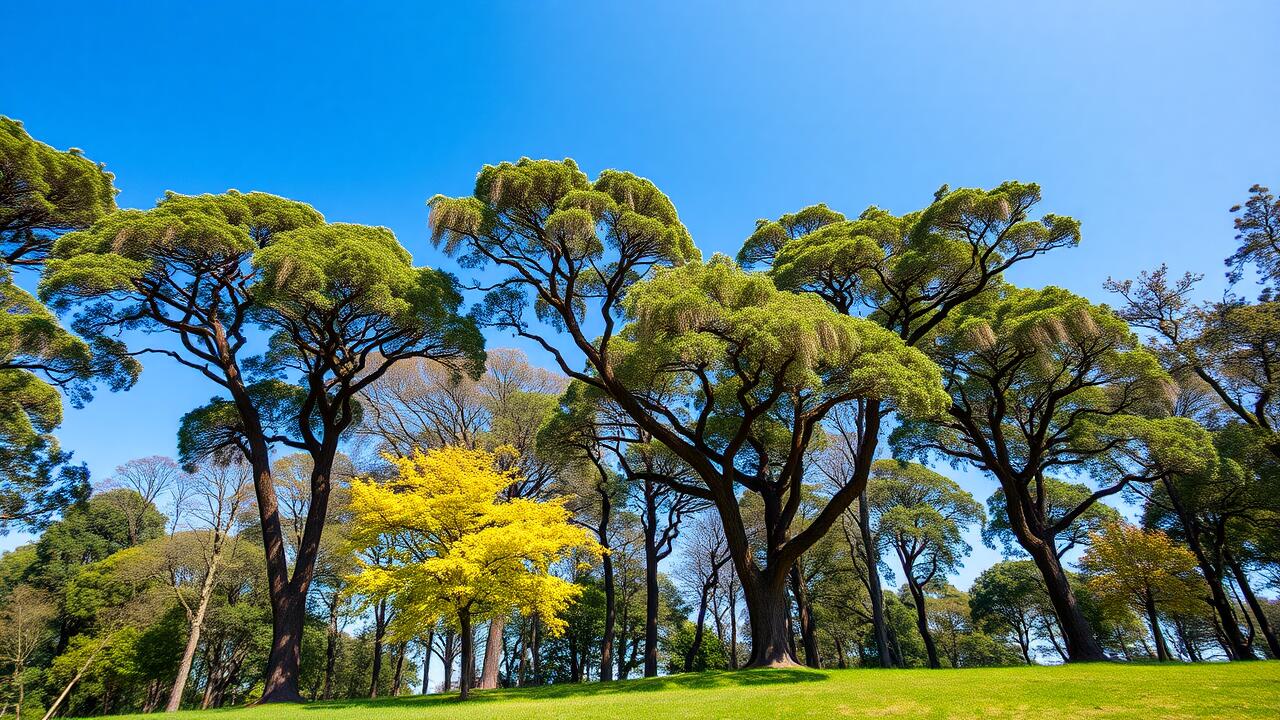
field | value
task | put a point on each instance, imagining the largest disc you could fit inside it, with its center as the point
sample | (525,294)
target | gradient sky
(1144,120)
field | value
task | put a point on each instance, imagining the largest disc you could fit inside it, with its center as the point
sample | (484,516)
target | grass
(1145,691)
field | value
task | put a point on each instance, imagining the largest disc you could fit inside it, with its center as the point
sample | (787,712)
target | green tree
(922,516)
(1043,380)
(1059,498)
(43,193)
(1008,599)
(908,274)
(752,357)
(339,304)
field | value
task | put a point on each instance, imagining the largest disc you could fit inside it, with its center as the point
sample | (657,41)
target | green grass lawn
(1149,692)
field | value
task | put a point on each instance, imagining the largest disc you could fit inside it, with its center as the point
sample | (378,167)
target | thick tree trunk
(288,611)
(880,630)
(922,624)
(492,655)
(1078,635)
(804,614)
(768,611)
(467,675)
(1255,607)
(1157,633)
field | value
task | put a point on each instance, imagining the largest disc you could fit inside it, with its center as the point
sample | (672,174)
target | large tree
(763,368)
(908,273)
(44,192)
(338,305)
(1042,381)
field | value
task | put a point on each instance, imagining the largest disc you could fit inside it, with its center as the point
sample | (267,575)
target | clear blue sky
(1144,120)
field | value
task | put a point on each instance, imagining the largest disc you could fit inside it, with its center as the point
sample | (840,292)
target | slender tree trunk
(650,598)
(610,590)
(492,655)
(467,675)
(398,678)
(331,650)
(379,632)
(1157,634)
(426,664)
(1180,628)
(1255,607)
(536,650)
(880,630)
(701,623)
(922,622)
(1234,642)
(733,626)
(804,613)
(197,625)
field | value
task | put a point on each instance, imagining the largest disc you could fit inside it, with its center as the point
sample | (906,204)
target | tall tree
(339,304)
(1042,381)
(922,516)
(908,274)
(460,553)
(752,356)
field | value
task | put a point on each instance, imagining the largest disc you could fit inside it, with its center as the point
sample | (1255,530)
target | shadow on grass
(685,681)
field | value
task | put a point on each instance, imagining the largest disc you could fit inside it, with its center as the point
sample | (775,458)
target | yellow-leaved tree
(1143,570)
(454,549)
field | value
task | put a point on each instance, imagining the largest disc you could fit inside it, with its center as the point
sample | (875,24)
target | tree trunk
(379,632)
(426,663)
(808,631)
(700,625)
(288,611)
(1157,634)
(650,600)
(1077,632)
(398,679)
(1255,607)
(768,610)
(197,625)
(1183,637)
(1234,642)
(492,655)
(880,630)
(467,674)
(331,650)
(922,623)
(610,591)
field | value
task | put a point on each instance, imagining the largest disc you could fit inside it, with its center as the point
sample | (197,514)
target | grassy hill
(1149,692)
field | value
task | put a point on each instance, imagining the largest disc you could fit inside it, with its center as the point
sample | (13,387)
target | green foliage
(922,515)
(1059,498)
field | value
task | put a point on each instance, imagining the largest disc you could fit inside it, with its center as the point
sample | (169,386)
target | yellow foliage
(451,546)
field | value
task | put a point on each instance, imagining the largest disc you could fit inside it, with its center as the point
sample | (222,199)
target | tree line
(729,464)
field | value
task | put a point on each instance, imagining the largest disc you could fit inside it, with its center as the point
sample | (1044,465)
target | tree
(922,515)
(25,623)
(1059,498)
(907,274)
(43,193)
(457,552)
(1043,380)
(340,304)
(1145,571)
(1008,599)
(752,356)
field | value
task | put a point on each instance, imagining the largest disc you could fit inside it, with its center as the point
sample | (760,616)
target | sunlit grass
(1145,691)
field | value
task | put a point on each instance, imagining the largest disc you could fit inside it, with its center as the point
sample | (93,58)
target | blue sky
(1144,120)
